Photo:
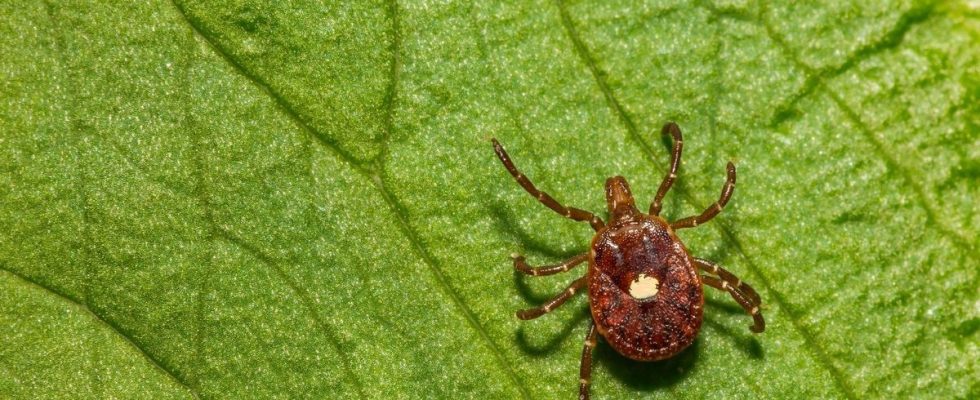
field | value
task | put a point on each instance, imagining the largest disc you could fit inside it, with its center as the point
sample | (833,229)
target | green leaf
(272,199)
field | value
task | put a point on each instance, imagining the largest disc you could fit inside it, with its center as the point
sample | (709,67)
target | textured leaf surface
(295,199)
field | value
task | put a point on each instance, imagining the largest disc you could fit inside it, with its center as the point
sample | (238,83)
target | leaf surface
(293,199)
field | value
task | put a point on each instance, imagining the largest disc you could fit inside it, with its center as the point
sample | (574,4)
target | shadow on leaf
(571,327)
(744,339)
(644,375)
(506,223)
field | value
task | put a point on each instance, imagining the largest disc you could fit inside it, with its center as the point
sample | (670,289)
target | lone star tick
(644,287)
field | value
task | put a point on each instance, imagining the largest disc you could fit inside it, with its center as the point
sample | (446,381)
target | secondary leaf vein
(402,216)
(394,74)
(157,364)
(81,184)
(305,298)
(366,172)
(816,77)
(819,79)
(284,105)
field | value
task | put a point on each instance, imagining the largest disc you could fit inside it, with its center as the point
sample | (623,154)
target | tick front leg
(708,214)
(585,370)
(675,159)
(555,302)
(544,198)
(521,265)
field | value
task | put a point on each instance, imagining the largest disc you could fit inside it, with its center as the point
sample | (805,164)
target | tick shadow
(744,339)
(575,326)
(525,290)
(647,375)
(505,222)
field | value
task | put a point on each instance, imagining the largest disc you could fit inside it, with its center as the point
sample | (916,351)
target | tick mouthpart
(619,199)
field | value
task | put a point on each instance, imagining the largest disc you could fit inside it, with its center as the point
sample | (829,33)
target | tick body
(645,289)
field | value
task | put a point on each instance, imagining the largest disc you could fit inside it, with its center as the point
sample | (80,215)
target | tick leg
(732,280)
(521,265)
(544,198)
(752,309)
(585,370)
(707,215)
(555,302)
(675,160)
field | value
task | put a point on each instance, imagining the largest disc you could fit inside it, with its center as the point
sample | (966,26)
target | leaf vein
(436,269)
(815,77)
(932,215)
(366,172)
(82,181)
(292,114)
(599,76)
(394,74)
(157,364)
(819,79)
(443,280)
(281,102)
(305,298)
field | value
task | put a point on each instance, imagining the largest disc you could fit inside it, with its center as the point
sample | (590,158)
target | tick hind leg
(585,369)
(521,265)
(729,277)
(744,294)
(675,159)
(555,302)
(544,198)
(714,209)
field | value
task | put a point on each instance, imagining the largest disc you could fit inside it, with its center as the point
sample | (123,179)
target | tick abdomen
(644,293)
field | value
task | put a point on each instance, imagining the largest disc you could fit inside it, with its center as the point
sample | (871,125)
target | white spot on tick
(644,287)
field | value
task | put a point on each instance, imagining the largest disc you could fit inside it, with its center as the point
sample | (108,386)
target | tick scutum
(644,292)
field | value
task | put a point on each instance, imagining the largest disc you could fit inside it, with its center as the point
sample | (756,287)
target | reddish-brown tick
(644,287)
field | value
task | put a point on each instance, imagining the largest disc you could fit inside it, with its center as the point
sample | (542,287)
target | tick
(644,286)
